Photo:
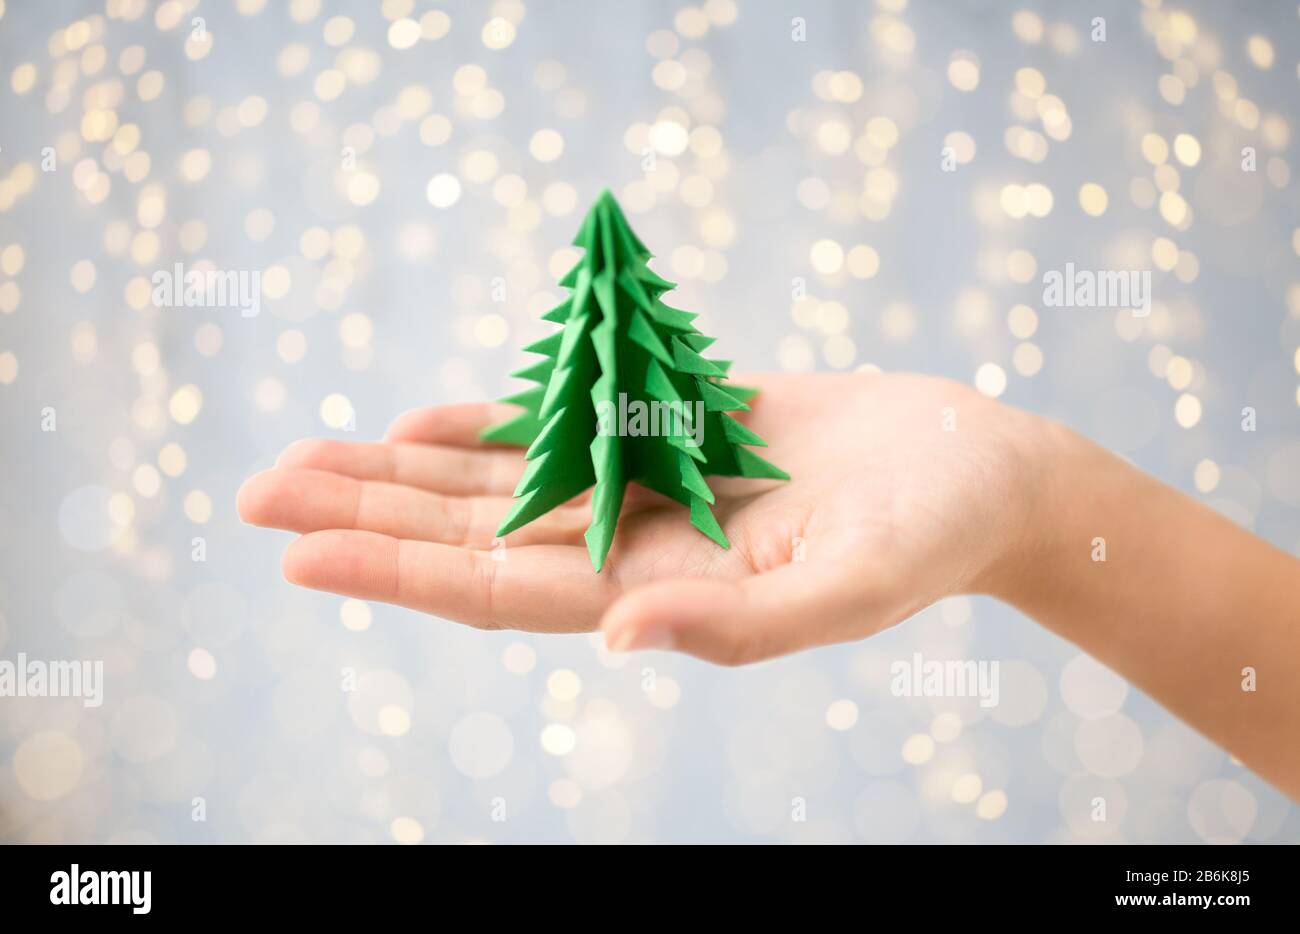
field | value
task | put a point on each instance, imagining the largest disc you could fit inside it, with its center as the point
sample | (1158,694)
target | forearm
(1181,601)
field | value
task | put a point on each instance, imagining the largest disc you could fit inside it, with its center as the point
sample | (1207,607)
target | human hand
(904,489)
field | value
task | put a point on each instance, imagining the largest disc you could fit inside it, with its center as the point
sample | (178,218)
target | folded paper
(624,395)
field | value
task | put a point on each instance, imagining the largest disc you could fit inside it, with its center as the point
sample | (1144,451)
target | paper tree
(623,396)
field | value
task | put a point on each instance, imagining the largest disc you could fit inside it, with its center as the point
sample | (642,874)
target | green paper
(621,350)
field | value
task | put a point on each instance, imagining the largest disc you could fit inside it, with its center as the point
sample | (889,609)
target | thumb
(730,622)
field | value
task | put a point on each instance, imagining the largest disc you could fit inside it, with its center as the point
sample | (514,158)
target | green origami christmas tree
(623,395)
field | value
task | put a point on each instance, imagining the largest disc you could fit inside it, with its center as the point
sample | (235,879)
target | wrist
(1038,534)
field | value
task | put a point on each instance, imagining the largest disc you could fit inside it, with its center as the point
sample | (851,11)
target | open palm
(903,489)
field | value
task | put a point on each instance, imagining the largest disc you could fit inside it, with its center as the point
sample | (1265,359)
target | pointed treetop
(606,215)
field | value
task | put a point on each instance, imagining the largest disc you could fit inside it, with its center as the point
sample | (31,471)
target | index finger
(538,588)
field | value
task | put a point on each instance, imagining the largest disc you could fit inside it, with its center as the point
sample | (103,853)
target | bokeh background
(406,178)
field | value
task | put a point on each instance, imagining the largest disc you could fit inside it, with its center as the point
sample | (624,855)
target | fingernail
(633,640)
